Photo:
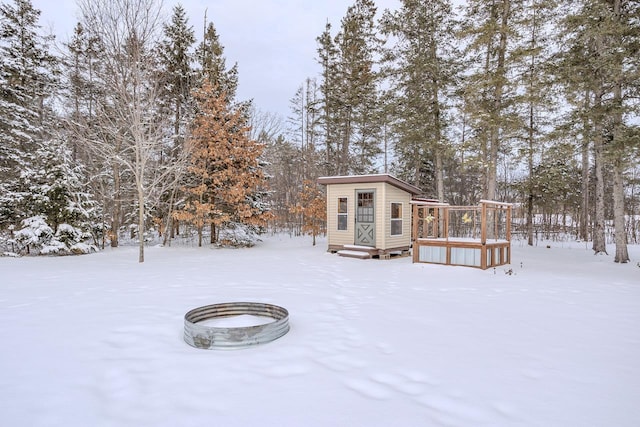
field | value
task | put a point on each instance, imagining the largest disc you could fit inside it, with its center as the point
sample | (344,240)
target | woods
(131,128)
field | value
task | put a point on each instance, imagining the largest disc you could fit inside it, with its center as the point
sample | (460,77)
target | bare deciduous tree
(132,130)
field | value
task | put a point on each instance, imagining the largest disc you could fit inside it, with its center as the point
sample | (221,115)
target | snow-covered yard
(96,340)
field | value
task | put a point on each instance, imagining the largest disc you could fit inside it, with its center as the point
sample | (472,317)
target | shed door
(365,219)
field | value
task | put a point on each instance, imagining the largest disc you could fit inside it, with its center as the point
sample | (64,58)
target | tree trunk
(531,134)
(530,219)
(115,218)
(439,175)
(497,103)
(531,137)
(168,229)
(599,242)
(584,219)
(622,254)
(344,168)
(140,222)
(437,130)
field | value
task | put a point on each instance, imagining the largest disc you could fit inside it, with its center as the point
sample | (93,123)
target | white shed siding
(396,195)
(384,195)
(340,237)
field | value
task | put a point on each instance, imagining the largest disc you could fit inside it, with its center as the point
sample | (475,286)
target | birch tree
(131,133)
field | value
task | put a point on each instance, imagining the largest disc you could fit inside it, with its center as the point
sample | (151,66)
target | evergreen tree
(487,28)
(534,104)
(58,189)
(226,179)
(27,79)
(83,95)
(327,57)
(421,72)
(178,80)
(304,127)
(623,40)
(599,63)
(357,101)
(213,68)
(178,76)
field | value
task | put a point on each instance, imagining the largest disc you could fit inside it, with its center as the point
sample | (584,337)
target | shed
(368,215)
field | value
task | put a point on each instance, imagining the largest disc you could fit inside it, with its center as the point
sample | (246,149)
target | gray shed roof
(374,178)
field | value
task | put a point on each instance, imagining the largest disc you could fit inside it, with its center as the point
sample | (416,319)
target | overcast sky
(273,41)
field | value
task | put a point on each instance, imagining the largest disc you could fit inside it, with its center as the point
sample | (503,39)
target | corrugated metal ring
(208,337)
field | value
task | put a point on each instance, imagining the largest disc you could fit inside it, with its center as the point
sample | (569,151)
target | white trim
(392,219)
(339,214)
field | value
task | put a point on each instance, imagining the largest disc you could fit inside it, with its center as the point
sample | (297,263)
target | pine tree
(623,39)
(421,71)
(356,97)
(486,31)
(213,68)
(599,62)
(226,178)
(83,90)
(178,76)
(327,57)
(178,80)
(58,189)
(27,79)
(532,64)
(304,126)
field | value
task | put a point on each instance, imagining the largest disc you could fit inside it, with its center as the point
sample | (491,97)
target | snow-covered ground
(96,340)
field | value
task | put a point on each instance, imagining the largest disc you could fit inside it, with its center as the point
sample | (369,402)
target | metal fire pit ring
(209,337)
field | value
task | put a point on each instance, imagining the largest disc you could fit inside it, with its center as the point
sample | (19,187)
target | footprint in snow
(369,389)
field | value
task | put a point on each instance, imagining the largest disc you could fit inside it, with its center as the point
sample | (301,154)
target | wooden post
(415,209)
(414,223)
(508,222)
(483,224)
(483,236)
(495,221)
(445,223)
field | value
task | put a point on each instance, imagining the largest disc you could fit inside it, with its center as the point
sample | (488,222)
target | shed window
(396,219)
(342,213)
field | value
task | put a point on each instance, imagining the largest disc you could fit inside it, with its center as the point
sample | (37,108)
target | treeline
(528,101)
(132,127)
(135,124)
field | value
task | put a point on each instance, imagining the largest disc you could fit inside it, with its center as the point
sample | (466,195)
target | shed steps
(354,254)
